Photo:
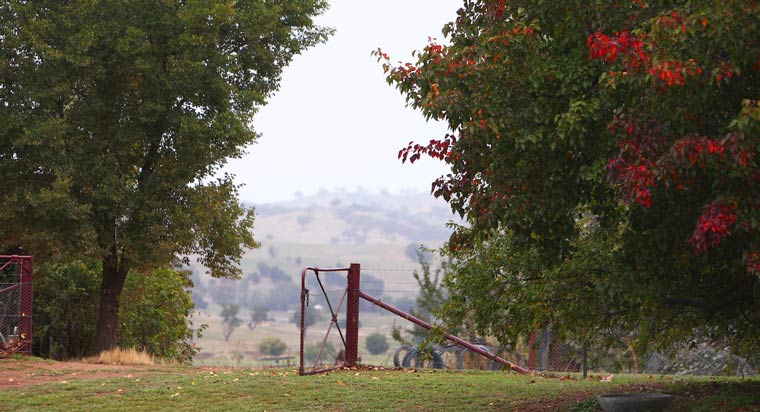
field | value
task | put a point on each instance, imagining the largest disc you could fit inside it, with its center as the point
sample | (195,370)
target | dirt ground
(23,373)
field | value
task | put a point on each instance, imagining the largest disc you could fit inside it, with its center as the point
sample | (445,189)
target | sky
(335,123)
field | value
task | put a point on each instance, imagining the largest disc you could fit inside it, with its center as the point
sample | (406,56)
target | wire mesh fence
(389,340)
(15,305)
(324,324)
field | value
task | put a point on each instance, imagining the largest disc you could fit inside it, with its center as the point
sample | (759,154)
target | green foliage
(430,299)
(272,346)
(311,317)
(65,305)
(604,158)
(156,311)
(587,405)
(260,314)
(311,351)
(432,294)
(117,118)
(230,320)
(376,343)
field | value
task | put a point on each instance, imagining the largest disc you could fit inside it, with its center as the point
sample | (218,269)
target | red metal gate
(350,341)
(16,295)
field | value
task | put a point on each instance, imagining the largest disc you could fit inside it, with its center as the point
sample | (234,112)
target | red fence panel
(16,297)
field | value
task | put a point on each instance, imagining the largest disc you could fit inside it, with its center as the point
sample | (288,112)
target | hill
(380,231)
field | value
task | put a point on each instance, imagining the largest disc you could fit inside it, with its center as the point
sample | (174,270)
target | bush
(154,312)
(311,351)
(376,343)
(272,346)
(65,310)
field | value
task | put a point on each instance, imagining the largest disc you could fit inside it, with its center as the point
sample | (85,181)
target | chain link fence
(391,341)
(15,305)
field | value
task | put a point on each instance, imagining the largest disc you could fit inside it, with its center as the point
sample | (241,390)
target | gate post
(352,315)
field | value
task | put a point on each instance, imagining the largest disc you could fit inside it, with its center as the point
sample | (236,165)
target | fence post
(352,315)
(532,351)
(585,360)
(543,350)
(26,297)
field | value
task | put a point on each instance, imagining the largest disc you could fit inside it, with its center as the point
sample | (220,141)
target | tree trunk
(114,275)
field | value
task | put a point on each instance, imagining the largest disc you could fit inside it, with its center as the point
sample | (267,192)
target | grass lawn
(215,389)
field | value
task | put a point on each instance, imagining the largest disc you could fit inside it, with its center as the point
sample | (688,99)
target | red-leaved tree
(609,146)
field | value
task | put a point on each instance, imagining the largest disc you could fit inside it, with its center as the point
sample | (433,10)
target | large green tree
(116,117)
(604,157)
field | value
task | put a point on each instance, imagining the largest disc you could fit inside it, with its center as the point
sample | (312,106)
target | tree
(604,157)
(260,314)
(230,321)
(311,317)
(272,346)
(376,343)
(430,301)
(155,316)
(116,119)
(413,250)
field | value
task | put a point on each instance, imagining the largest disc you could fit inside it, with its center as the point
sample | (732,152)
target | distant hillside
(355,218)
(381,231)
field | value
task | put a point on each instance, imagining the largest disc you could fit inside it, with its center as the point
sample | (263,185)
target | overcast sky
(335,123)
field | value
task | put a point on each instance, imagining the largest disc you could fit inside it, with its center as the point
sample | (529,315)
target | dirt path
(16,373)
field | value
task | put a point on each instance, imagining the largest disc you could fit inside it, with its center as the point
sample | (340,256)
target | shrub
(376,343)
(155,314)
(65,310)
(272,346)
(311,351)
(153,317)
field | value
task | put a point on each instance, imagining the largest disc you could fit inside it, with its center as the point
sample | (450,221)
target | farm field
(38,385)
(333,230)
(241,350)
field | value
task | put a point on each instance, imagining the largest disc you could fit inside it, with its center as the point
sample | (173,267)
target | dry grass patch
(119,356)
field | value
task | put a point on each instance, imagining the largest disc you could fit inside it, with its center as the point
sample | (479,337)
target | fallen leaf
(340,383)
(175,394)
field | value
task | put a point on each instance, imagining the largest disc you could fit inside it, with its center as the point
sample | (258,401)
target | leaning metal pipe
(455,339)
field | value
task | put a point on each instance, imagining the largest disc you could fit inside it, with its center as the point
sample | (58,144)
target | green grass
(739,396)
(193,389)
